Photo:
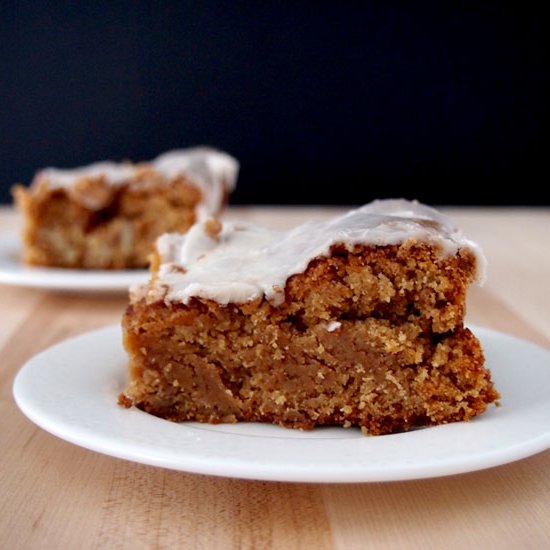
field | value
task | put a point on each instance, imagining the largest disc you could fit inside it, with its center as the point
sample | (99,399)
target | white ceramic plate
(71,391)
(13,272)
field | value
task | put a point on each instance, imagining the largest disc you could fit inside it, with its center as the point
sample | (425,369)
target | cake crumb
(212,227)
(124,401)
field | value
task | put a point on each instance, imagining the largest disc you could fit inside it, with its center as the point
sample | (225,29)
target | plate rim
(272,472)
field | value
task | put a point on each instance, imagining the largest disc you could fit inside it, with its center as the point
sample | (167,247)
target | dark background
(322,102)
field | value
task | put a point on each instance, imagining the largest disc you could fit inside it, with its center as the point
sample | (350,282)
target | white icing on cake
(246,261)
(213,172)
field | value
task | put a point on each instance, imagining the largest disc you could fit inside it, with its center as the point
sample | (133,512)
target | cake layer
(238,262)
(213,173)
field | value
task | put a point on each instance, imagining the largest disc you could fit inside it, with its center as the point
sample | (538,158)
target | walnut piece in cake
(356,321)
(108,215)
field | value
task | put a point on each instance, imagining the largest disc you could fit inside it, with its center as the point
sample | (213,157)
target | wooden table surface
(57,495)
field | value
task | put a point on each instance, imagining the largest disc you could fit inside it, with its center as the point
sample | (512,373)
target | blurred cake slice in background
(108,215)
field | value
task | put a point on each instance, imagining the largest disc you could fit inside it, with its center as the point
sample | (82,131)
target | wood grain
(57,495)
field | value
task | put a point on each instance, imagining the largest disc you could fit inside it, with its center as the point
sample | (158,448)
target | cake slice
(108,215)
(355,321)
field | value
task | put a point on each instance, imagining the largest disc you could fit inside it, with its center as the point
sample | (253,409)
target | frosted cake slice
(108,215)
(355,321)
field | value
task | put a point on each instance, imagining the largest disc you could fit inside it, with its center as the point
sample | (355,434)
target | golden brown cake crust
(371,337)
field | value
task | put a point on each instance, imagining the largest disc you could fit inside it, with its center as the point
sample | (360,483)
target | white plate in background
(13,272)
